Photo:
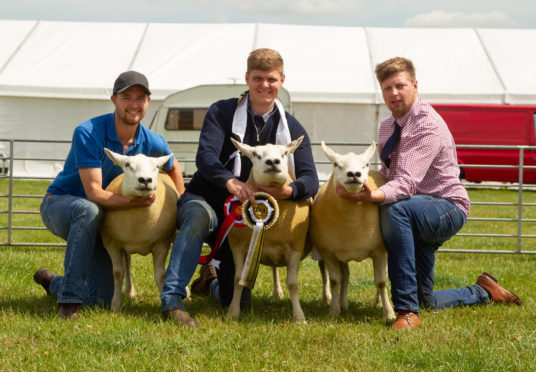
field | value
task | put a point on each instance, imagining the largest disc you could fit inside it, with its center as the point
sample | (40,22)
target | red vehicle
(501,125)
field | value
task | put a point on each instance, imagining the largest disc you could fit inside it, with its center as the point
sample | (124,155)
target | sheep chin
(143,191)
(353,187)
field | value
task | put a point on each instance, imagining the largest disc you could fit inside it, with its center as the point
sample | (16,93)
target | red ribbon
(233,217)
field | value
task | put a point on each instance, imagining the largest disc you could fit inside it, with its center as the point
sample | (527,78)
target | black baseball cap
(128,79)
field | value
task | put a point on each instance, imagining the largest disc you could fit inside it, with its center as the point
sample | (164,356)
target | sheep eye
(285,153)
(127,165)
(254,153)
(336,165)
(368,164)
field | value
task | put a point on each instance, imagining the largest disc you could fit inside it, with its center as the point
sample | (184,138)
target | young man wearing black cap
(73,205)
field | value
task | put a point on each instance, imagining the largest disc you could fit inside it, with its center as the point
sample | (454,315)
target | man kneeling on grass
(423,203)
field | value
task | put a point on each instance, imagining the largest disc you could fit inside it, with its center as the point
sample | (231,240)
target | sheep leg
(326,293)
(379,263)
(334,269)
(345,273)
(293,264)
(239,258)
(119,273)
(160,252)
(277,294)
(129,287)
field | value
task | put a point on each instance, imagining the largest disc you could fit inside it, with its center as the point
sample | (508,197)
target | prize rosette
(265,210)
(259,217)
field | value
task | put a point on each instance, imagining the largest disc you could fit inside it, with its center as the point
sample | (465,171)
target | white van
(180,117)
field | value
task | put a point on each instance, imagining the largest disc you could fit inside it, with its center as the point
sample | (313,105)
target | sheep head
(270,162)
(350,170)
(140,172)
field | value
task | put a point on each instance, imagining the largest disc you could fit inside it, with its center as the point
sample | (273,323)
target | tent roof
(322,64)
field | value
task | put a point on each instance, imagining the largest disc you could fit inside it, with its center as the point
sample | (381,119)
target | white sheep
(284,242)
(140,230)
(342,231)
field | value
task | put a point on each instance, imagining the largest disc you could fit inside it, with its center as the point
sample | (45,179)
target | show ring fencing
(19,210)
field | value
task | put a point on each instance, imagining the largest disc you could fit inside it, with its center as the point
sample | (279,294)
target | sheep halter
(260,217)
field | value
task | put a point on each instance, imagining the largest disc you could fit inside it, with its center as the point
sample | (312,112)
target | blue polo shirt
(87,151)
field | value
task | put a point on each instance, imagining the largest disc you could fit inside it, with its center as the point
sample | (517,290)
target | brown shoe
(201,286)
(406,320)
(44,276)
(68,311)
(181,317)
(498,294)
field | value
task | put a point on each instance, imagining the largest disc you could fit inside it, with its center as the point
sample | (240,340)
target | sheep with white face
(343,231)
(284,242)
(142,230)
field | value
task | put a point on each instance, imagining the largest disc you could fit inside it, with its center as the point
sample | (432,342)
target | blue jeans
(413,229)
(88,275)
(196,219)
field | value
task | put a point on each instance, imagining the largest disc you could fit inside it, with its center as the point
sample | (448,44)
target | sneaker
(201,286)
(181,317)
(43,277)
(68,311)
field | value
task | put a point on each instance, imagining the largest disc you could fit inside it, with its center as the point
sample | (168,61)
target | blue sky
(367,13)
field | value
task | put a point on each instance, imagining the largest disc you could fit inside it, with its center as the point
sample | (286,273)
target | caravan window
(185,119)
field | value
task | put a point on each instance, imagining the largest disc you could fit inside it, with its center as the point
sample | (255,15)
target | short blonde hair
(393,66)
(265,59)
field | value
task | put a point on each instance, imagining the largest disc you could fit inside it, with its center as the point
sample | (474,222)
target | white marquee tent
(53,75)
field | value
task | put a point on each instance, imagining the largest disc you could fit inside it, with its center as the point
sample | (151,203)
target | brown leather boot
(44,276)
(201,286)
(498,294)
(406,320)
(181,317)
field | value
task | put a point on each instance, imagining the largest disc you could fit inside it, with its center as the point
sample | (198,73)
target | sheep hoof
(232,317)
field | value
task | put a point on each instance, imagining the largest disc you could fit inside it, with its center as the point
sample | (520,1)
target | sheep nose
(356,174)
(145,180)
(272,163)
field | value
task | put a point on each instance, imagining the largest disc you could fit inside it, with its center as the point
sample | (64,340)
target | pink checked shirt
(424,161)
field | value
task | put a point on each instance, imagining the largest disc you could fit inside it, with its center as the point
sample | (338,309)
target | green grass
(482,338)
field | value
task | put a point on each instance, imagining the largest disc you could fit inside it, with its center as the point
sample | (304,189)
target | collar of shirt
(266,116)
(404,119)
(112,134)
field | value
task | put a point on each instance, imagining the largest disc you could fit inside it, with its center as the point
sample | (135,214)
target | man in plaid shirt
(423,203)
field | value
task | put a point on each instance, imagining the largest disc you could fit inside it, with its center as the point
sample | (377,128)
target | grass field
(483,338)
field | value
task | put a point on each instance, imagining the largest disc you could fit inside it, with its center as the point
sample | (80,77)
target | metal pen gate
(9,193)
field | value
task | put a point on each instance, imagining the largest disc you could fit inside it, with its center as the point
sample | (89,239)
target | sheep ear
(242,147)
(294,144)
(160,161)
(115,157)
(369,152)
(330,154)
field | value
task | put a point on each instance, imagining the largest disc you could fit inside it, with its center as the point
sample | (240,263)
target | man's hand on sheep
(365,195)
(241,190)
(141,201)
(277,190)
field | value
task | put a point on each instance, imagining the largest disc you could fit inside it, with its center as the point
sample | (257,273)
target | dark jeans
(88,274)
(413,229)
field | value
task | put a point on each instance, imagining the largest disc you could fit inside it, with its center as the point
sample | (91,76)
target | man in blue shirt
(257,118)
(73,205)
